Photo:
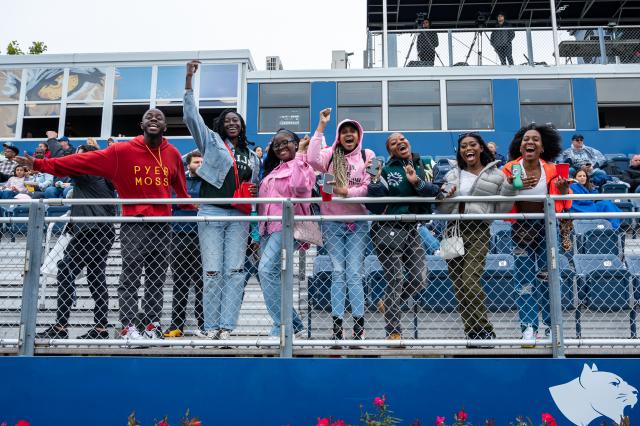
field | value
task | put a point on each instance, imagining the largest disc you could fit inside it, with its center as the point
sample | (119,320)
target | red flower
(322,422)
(22,423)
(462,416)
(338,423)
(439,420)
(163,423)
(548,419)
(378,402)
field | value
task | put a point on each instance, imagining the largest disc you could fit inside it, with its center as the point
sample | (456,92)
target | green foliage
(37,48)
(13,48)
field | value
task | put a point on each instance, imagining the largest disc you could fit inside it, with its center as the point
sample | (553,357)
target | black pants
(186,266)
(504,53)
(427,56)
(144,246)
(88,247)
(399,249)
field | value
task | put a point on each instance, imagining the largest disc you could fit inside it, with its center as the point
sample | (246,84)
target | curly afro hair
(551,141)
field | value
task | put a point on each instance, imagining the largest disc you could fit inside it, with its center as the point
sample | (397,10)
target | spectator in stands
(286,175)
(597,177)
(532,148)
(89,247)
(145,167)
(493,149)
(632,174)
(345,242)
(8,165)
(397,244)
(258,151)
(45,147)
(15,185)
(186,260)
(228,165)
(110,142)
(502,40)
(92,142)
(38,182)
(58,147)
(583,185)
(426,44)
(60,188)
(579,154)
(476,174)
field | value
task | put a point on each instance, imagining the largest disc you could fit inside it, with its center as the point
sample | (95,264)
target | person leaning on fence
(228,163)
(502,39)
(398,244)
(532,148)
(89,247)
(286,175)
(145,167)
(345,242)
(476,174)
(186,260)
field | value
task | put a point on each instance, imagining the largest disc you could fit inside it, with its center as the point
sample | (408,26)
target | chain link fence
(506,46)
(119,283)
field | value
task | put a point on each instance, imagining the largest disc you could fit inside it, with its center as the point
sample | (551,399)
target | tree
(37,48)
(13,48)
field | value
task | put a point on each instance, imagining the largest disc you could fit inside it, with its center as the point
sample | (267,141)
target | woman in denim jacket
(223,244)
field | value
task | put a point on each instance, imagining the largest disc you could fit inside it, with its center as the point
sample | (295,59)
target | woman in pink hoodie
(345,241)
(286,175)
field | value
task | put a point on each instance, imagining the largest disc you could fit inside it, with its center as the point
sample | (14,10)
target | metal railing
(508,46)
(554,282)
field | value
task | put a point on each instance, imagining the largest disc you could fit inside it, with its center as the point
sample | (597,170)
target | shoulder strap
(235,166)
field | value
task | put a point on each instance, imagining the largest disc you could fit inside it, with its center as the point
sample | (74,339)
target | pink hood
(319,158)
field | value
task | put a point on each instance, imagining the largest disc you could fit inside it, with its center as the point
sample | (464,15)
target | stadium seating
(596,236)
(633,266)
(602,281)
(438,296)
(374,282)
(319,283)
(498,281)
(614,188)
(501,240)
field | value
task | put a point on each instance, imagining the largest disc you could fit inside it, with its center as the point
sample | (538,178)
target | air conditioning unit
(274,63)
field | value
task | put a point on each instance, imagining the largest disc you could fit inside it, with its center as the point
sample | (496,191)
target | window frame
(382,105)
(548,103)
(470,104)
(616,103)
(284,106)
(436,103)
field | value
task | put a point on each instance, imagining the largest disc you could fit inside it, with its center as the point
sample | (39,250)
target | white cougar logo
(594,394)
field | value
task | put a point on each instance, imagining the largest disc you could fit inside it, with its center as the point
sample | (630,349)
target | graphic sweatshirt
(135,170)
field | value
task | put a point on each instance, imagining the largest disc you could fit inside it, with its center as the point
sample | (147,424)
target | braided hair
(218,127)
(272,161)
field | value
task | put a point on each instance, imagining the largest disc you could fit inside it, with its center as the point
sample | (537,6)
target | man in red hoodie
(145,167)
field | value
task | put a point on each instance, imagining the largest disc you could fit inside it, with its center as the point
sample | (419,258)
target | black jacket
(501,37)
(57,151)
(632,177)
(92,187)
(427,42)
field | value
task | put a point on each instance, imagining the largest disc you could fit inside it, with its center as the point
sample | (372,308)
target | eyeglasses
(283,144)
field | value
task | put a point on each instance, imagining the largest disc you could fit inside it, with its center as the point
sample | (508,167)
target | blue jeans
(430,243)
(7,194)
(269,274)
(223,246)
(531,257)
(53,192)
(346,244)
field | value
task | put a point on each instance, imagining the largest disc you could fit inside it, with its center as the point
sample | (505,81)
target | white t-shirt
(541,186)
(466,183)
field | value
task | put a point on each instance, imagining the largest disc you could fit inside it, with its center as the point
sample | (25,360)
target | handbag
(307,231)
(242,191)
(452,244)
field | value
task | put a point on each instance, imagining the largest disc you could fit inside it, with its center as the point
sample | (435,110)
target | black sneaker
(481,335)
(53,332)
(94,334)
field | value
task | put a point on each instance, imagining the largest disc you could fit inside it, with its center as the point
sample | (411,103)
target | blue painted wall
(104,390)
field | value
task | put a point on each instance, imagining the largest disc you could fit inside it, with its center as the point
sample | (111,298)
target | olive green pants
(466,271)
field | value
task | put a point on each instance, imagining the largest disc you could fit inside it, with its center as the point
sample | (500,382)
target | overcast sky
(302,32)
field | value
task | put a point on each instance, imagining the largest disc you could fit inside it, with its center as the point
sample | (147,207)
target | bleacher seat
(614,188)
(501,241)
(633,266)
(319,284)
(567,275)
(498,282)
(57,211)
(615,155)
(17,228)
(596,236)
(438,296)
(602,281)
(628,207)
(616,164)
(374,281)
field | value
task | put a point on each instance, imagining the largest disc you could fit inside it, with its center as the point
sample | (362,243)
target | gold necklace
(159,162)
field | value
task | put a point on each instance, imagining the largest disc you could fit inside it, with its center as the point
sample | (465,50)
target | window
(170,82)
(10,83)
(218,81)
(618,102)
(85,93)
(284,105)
(414,105)
(469,105)
(132,83)
(361,101)
(127,118)
(546,101)
(42,101)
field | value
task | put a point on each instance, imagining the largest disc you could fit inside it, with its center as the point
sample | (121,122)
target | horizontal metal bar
(422,342)
(598,215)
(602,342)
(608,196)
(417,217)
(159,219)
(8,342)
(270,341)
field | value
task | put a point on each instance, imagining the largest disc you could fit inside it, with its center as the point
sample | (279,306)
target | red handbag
(242,191)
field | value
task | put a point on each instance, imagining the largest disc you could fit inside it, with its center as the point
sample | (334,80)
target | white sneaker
(153,331)
(200,333)
(529,336)
(213,334)
(224,335)
(130,332)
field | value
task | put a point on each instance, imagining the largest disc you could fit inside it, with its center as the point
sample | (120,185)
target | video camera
(420,17)
(482,18)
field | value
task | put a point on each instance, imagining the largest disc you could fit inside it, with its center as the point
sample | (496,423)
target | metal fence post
(553,269)
(31,283)
(530,46)
(603,48)
(450,42)
(286,283)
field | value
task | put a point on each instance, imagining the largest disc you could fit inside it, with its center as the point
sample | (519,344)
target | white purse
(452,244)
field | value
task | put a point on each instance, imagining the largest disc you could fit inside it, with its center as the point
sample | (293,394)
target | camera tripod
(413,42)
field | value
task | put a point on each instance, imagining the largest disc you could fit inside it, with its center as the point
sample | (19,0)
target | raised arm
(191,115)
(316,157)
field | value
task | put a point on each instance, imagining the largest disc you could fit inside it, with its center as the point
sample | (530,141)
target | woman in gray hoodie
(476,174)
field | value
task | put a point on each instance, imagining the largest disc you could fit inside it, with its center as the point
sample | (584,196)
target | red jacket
(136,171)
(552,175)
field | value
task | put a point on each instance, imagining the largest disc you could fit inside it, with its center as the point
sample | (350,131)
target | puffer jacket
(490,181)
